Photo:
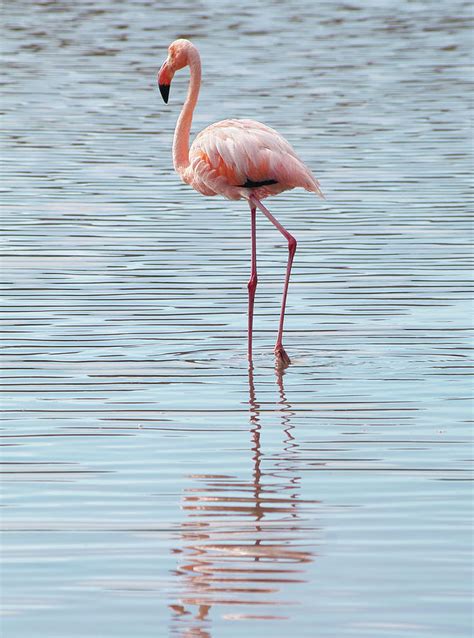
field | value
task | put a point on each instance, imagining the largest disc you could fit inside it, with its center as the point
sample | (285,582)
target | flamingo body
(229,154)
(239,159)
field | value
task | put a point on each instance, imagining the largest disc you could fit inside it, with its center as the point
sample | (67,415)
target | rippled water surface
(152,485)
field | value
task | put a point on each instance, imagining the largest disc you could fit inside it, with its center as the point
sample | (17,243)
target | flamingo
(239,159)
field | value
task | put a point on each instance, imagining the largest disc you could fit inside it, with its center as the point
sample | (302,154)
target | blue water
(152,485)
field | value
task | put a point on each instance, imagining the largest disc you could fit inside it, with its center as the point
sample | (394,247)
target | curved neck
(183,126)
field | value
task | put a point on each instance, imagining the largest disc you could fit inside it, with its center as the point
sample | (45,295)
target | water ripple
(150,479)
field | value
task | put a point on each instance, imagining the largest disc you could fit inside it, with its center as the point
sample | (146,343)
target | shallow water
(153,486)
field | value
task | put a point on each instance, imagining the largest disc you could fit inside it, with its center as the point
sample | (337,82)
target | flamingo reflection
(238,544)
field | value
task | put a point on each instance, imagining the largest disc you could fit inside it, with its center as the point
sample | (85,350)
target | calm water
(152,486)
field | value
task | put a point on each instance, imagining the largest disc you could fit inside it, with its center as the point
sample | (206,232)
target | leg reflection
(242,542)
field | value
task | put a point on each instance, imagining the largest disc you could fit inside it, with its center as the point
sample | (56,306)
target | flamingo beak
(164,81)
(165,91)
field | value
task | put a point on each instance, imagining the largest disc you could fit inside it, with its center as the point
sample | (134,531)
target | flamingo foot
(282,359)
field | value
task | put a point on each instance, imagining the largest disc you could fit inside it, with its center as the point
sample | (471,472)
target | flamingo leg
(280,352)
(252,284)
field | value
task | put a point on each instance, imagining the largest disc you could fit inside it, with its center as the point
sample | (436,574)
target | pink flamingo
(239,159)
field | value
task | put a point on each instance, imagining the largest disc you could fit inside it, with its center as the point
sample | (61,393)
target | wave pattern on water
(149,479)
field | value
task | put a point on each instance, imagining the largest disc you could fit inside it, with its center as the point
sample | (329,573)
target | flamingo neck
(183,126)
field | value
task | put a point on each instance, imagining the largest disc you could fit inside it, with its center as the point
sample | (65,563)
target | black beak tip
(165,91)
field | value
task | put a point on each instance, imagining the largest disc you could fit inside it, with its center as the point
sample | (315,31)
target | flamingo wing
(236,157)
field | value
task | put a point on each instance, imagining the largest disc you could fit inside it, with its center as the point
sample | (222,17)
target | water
(152,486)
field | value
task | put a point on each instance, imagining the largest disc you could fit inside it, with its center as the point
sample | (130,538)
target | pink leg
(279,349)
(252,284)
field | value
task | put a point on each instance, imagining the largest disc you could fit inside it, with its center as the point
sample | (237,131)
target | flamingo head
(178,52)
